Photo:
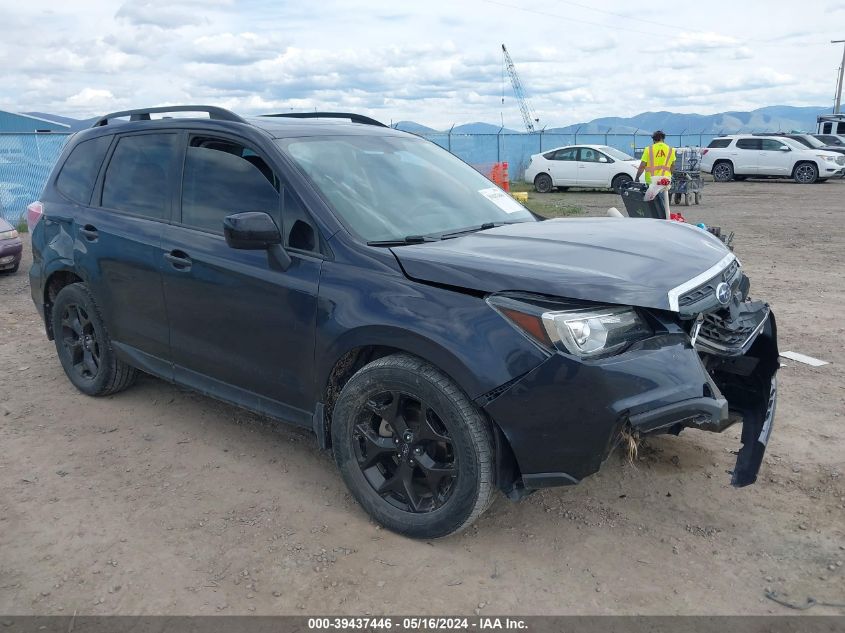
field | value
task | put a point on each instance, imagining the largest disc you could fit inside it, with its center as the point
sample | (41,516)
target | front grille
(720,330)
(723,334)
(706,292)
(840,160)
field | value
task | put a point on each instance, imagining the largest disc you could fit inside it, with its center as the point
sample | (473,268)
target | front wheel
(723,172)
(543,183)
(805,173)
(83,345)
(412,448)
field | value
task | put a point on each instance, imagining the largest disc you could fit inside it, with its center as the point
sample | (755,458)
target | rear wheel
(619,181)
(84,346)
(543,183)
(805,173)
(723,171)
(412,448)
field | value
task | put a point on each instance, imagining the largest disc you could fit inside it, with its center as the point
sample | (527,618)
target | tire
(619,180)
(83,344)
(723,171)
(543,183)
(805,173)
(381,442)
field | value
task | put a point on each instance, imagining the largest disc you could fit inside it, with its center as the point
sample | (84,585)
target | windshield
(791,142)
(388,188)
(830,140)
(616,154)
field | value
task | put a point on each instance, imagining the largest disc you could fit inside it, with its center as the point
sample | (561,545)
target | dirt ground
(161,501)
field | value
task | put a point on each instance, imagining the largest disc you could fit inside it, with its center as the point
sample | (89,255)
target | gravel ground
(161,501)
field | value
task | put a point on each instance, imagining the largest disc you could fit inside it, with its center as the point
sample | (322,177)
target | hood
(628,261)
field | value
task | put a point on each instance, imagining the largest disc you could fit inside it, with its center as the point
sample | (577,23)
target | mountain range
(768,119)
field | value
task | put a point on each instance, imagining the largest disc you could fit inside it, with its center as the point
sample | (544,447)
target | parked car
(834,140)
(11,248)
(739,156)
(811,142)
(593,166)
(364,283)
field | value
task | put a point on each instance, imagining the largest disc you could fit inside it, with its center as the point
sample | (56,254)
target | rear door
(747,157)
(775,158)
(593,168)
(241,328)
(564,167)
(118,244)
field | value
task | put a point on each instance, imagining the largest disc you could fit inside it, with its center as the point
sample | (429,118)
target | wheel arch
(347,364)
(805,161)
(53,284)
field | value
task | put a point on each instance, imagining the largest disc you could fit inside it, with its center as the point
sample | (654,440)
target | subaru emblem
(723,293)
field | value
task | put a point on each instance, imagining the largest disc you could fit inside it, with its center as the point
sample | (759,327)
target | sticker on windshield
(501,200)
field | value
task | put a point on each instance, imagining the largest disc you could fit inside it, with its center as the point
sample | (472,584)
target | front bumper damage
(564,418)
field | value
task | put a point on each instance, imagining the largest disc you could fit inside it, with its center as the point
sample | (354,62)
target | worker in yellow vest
(657,162)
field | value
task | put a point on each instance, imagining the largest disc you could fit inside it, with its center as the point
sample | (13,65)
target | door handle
(178,260)
(89,233)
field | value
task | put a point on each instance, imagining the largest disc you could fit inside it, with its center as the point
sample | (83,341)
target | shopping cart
(686,176)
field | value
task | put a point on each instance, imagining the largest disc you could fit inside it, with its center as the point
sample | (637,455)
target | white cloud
(436,63)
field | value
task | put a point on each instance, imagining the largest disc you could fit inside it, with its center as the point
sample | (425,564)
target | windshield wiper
(408,239)
(474,229)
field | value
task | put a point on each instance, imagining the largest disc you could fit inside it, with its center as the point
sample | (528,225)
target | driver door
(240,328)
(592,168)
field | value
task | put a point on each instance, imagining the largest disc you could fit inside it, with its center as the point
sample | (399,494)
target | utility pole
(838,107)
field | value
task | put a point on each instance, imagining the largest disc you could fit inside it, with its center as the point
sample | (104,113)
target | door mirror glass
(784,148)
(252,230)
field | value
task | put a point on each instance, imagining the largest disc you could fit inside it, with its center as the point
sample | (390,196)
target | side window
(566,154)
(221,178)
(589,155)
(139,176)
(771,144)
(748,143)
(719,142)
(78,174)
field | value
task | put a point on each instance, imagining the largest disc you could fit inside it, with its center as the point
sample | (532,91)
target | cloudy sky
(434,62)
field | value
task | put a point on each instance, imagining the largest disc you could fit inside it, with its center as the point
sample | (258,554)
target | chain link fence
(516,148)
(25,162)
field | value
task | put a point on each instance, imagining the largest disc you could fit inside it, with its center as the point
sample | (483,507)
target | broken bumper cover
(563,418)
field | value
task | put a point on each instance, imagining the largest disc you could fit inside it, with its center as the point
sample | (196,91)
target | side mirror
(256,231)
(784,148)
(253,230)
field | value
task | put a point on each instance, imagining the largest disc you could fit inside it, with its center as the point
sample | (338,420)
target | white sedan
(593,166)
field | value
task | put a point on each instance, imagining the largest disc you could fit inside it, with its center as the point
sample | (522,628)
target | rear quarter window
(719,142)
(78,174)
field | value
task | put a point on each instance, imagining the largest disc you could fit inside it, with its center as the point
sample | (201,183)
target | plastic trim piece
(676,292)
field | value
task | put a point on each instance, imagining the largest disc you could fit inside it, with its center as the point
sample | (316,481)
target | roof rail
(143,114)
(355,118)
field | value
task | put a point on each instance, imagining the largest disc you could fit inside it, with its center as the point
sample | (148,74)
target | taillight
(703,152)
(34,212)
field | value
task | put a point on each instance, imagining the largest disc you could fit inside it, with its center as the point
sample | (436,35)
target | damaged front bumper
(563,418)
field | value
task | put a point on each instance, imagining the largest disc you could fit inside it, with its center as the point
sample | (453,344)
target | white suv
(739,156)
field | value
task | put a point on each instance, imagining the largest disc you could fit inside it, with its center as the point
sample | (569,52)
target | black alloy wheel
(413,449)
(405,453)
(79,340)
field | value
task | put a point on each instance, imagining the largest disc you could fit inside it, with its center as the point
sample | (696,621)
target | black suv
(332,272)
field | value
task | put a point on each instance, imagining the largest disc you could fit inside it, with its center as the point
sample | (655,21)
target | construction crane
(529,116)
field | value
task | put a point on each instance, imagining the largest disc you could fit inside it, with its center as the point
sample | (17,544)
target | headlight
(585,332)
(595,332)
(8,235)
(830,159)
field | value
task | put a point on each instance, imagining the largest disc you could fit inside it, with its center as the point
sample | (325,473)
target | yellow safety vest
(658,159)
